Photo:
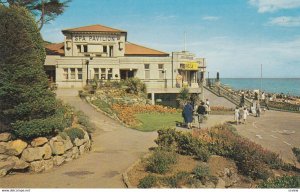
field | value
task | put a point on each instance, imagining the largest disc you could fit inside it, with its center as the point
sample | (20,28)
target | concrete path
(276,131)
(115,148)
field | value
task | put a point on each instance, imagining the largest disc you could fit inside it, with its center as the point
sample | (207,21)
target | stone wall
(41,154)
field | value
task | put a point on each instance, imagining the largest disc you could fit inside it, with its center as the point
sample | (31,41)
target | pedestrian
(188,114)
(178,80)
(245,114)
(208,106)
(201,111)
(236,115)
(257,109)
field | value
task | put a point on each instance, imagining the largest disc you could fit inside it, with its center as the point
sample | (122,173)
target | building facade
(98,52)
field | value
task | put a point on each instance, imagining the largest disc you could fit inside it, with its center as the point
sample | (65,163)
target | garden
(211,158)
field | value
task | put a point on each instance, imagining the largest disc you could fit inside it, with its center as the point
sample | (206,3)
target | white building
(100,52)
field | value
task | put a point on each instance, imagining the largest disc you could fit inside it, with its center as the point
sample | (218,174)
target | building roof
(138,50)
(55,49)
(93,28)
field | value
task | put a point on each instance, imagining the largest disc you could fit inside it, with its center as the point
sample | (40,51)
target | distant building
(98,52)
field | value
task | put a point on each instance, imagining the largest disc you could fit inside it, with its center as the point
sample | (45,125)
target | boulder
(3,147)
(16,147)
(19,163)
(221,183)
(5,167)
(32,154)
(48,164)
(68,154)
(47,151)
(81,149)
(3,157)
(79,142)
(75,152)
(37,166)
(86,136)
(5,137)
(68,144)
(58,147)
(39,141)
(87,145)
(58,160)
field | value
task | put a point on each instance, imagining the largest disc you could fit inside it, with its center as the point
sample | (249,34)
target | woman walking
(245,114)
(188,114)
(236,115)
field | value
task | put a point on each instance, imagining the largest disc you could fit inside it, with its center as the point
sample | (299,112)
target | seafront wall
(215,100)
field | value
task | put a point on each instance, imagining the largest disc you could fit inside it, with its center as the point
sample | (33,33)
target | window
(65,74)
(78,48)
(105,49)
(96,73)
(111,51)
(85,48)
(109,74)
(161,71)
(147,71)
(103,73)
(72,70)
(79,73)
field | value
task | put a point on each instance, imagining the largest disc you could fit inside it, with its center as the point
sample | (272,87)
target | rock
(47,151)
(58,160)
(68,144)
(81,149)
(87,145)
(5,137)
(58,147)
(32,154)
(37,166)
(16,147)
(68,154)
(75,152)
(68,159)
(221,183)
(48,164)
(3,157)
(86,136)
(79,142)
(3,147)
(19,164)
(39,141)
(5,167)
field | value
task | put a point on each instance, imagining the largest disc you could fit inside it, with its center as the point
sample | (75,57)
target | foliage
(220,108)
(103,106)
(74,133)
(183,96)
(45,10)
(147,182)
(281,182)
(135,86)
(84,121)
(284,106)
(201,172)
(177,180)
(296,152)
(25,98)
(161,161)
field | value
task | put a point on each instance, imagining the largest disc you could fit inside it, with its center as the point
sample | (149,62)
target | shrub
(84,121)
(135,86)
(177,180)
(147,182)
(281,182)
(183,96)
(74,133)
(296,152)
(201,172)
(161,161)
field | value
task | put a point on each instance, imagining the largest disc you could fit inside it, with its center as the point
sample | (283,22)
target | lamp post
(87,62)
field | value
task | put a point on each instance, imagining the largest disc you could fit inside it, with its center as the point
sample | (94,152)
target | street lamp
(87,62)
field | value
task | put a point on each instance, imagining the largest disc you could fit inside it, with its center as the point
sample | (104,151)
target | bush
(296,152)
(201,172)
(84,121)
(177,180)
(74,133)
(281,182)
(147,182)
(161,161)
(135,86)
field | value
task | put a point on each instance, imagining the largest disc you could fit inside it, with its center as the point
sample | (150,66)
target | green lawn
(155,121)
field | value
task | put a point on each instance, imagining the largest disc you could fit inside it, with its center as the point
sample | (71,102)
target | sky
(235,37)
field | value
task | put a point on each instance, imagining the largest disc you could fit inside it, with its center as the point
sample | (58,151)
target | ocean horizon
(288,86)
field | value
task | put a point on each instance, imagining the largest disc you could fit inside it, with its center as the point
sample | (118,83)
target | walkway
(276,131)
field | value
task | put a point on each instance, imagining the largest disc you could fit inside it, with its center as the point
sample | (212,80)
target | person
(242,101)
(236,115)
(208,107)
(267,102)
(178,80)
(245,114)
(201,111)
(188,114)
(257,109)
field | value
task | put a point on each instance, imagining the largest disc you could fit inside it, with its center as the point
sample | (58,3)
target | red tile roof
(138,50)
(93,28)
(55,49)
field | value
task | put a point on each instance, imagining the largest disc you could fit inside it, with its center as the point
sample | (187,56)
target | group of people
(190,110)
(240,115)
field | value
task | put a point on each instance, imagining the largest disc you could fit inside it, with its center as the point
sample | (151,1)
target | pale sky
(235,36)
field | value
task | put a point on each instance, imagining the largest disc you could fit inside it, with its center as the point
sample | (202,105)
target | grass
(103,106)
(155,121)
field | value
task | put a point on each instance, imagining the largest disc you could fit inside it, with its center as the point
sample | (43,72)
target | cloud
(285,21)
(163,17)
(274,5)
(210,18)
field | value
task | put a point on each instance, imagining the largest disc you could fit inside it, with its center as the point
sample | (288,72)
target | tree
(44,10)
(24,93)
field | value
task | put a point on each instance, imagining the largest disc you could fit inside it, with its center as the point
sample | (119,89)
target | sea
(287,86)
